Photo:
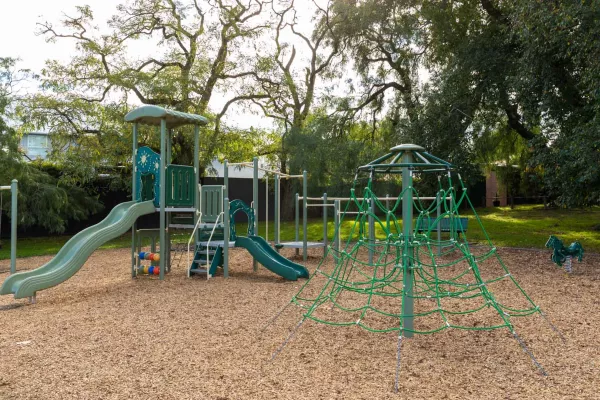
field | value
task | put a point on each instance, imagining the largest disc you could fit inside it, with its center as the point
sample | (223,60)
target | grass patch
(525,226)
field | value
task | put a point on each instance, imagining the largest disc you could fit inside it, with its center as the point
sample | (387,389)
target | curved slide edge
(76,251)
(300,269)
(262,255)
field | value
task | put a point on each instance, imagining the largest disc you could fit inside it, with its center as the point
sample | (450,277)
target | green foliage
(43,199)
(513,82)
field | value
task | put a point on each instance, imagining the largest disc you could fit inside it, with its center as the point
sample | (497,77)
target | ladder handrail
(208,245)
(190,240)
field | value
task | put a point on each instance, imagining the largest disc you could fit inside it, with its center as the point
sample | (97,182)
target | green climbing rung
(425,224)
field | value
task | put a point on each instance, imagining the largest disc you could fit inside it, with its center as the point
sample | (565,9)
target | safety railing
(190,240)
(208,261)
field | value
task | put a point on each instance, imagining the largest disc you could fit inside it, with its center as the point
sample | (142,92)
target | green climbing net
(370,278)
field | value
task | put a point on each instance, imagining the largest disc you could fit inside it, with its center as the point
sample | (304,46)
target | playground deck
(103,335)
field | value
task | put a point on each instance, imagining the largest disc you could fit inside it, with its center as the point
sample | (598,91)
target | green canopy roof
(392,163)
(151,115)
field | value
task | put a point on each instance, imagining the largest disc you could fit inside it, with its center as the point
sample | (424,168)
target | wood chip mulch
(102,335)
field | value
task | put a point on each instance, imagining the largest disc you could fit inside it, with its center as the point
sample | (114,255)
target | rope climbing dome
(388,276)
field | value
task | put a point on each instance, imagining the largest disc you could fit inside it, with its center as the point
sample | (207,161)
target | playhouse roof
(152,115)
(394,162)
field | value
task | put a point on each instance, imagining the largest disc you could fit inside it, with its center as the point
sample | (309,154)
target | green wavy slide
(260,249)
(76,251)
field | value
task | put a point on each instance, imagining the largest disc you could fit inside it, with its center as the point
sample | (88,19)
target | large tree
(177,54)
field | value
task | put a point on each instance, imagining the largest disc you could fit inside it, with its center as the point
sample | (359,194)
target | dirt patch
(103,335)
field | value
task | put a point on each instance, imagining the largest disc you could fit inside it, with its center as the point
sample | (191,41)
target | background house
(36,145)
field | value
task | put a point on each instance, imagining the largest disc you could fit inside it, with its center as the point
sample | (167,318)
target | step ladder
(208,234)
(208,253)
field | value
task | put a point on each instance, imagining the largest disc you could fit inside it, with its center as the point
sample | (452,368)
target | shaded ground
(103,335)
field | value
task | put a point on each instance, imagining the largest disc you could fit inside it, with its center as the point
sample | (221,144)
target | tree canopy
(477,82)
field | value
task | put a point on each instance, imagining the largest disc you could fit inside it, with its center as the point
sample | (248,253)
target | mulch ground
(103,335)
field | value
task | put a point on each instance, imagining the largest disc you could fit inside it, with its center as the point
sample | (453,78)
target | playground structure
(297,244)
(172,191)
(303,202)
(563,255)
(394,275)
(14,190)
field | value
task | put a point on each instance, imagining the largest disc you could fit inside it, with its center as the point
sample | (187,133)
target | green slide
(76,251)
(273,261)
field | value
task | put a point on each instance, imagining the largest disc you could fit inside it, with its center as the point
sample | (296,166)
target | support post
(325,238)
(134,197)
(439,224)
(255,205)
(266,208)
(336,225)
(407,251)
(162,198)
(304,217)
(371,220)
(168,160)
(226,234)
(14,189)
(197,190)
(387,213)
(226,178)
(297,212)
(276,221)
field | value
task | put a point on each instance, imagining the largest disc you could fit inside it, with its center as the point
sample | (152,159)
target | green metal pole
(276,211)
(439,224)
(162,198)
(255,205)
(266,208)
(297,230)
(325,238)
(226,178)
(226,239)
(226,232)
(407,253)
(168,143)
(371,226)
(304,217)
(134,197)
(197,193)
(387,213)
(13,225)
(336,224)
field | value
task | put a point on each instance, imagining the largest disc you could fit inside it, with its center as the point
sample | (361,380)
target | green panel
(147,187)
(180,186)
(211,202)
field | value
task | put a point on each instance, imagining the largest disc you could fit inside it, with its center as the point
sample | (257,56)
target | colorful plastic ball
(155,257)
(142,255)
(145,269)
(156,270)
(148,256)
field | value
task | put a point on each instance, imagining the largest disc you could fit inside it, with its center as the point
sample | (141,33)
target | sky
(19,40)
(18,26)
